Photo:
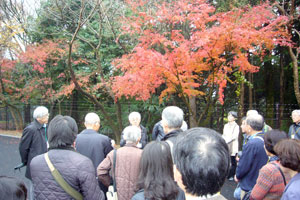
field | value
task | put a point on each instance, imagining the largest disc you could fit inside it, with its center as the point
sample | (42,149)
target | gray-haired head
(91,118)
(134,115)
(256,122)
(252,112)
(296,112)
(40,112)
(173,116)
(132,134)
(62,131)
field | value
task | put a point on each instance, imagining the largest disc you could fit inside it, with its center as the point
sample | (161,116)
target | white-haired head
(132,134)
(134,118)
(296,116)
(91,118)
(173,117)
(252,112)
(40,112)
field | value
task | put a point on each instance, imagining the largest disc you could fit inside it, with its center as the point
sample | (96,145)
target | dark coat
(77,170)
(158,132)
(94,146)
(143,141)
(171,136)
(33,143)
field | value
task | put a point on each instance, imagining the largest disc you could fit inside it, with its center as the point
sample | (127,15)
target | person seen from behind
(75,169)
(156,178)
(127,166)
(271,180)
(201,163)
(288,151)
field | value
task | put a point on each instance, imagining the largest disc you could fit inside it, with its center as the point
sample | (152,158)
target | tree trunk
(17,116)
(295,74)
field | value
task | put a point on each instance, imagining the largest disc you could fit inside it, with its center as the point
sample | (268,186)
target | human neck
(191,197)
(253,132)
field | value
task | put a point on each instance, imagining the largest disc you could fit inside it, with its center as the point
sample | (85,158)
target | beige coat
(127,170)
(231,135)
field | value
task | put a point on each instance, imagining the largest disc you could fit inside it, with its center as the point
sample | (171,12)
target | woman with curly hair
(156,178)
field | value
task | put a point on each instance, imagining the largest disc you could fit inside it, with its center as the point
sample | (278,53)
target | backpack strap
(61,181)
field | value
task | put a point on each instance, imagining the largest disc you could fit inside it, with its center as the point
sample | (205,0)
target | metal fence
(270,112)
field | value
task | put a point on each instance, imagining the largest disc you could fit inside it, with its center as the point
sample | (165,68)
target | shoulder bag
(247,195)
(61,181)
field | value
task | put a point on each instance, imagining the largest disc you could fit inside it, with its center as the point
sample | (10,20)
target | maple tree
(186,47)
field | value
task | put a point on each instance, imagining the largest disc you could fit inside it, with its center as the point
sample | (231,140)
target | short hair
(256,122)
(156,175)
(91,118)
(272,137)
(288,152)
(132,134)
(134,115)
(202,157)
(40,112)
(173,116)
(12,188)
(62,131)
(297,112)
(252,112)
(233,114)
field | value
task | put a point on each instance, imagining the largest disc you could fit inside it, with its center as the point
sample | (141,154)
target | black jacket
(171,136)
(33,143)
(77,170)
(144,138)
(158,132)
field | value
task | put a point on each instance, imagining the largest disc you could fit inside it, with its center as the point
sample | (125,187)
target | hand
(235,179)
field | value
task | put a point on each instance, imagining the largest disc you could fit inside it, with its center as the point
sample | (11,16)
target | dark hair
(156,172)
(234,114)
(256,122)
(288,151)
(272,137)
(62,131)
(201,155)
(12,188)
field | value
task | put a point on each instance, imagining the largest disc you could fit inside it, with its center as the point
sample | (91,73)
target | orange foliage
(183,45)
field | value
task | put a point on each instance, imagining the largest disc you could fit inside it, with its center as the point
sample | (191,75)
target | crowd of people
(179,163)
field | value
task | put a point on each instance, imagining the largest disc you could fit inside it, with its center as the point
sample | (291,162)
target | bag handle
(61,181)
(114,170)
(280,172)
